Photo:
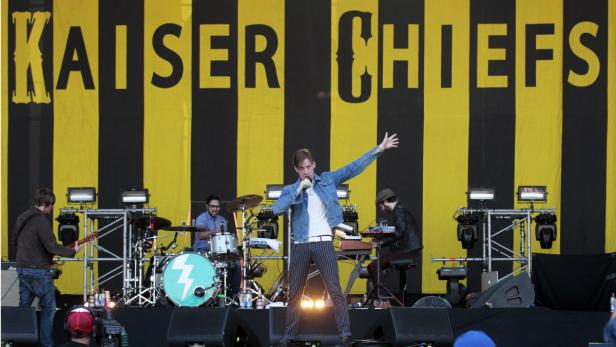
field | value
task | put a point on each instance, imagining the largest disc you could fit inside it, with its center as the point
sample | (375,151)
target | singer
(315,211)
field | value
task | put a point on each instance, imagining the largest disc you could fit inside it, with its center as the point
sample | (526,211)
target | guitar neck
(84,240)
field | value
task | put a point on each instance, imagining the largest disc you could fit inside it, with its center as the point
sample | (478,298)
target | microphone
(306,186)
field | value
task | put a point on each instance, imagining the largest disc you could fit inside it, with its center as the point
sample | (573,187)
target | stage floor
(508,327)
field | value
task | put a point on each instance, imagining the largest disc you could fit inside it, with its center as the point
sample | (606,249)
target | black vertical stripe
(30,125)
(307,83)
(400,110)
(584,137)
(120,154)
(214,111)
(492,125)
(446,55)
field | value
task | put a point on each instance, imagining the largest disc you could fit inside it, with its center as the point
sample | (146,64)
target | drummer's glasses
(214,206)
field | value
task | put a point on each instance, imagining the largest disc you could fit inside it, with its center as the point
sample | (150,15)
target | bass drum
(189,279)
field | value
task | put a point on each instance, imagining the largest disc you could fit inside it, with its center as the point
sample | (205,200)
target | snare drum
(189,279)
(223,246)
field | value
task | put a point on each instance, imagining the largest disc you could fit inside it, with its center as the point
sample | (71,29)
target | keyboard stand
(375,293)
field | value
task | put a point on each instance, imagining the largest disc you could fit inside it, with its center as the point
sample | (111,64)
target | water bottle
(260,303)
(246,300)
(124,339)
(613,303)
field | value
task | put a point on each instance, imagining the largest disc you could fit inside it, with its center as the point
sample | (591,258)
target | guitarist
(36,245)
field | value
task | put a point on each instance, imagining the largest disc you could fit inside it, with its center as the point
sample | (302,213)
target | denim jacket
(325,188)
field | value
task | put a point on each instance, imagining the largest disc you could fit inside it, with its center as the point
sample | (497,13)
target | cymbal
(155,221)
(184,228)
(246,201)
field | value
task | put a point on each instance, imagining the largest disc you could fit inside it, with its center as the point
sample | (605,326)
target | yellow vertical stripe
(121,56)
(538,133)
(354,125)
(75,112)
(260,133)
(168,114)
(4,233)
(5,130)
(446,122)
(610,182)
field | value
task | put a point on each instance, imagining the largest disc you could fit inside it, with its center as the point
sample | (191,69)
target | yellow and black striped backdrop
(190,97)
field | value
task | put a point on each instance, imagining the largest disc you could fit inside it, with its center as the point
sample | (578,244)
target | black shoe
(345,341)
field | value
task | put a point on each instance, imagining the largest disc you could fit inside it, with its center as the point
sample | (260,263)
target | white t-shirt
(317,215)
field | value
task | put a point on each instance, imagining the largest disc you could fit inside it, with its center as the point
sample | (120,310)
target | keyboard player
(405,243)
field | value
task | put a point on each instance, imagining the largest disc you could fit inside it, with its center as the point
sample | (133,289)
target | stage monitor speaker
(413,326)
(211,327)
(10,286)
(314,326)
(514,292)
(19,326)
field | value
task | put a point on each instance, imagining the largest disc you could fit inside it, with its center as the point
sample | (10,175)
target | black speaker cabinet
(210,326)
(19,326)
(411,326)
(511,293)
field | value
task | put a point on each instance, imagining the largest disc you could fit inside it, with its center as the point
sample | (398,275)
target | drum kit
(192,278)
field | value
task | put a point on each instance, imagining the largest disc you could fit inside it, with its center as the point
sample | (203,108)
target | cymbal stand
(249,287)
(144,296)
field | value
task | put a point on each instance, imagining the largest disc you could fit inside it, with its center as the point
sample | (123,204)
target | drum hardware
(184,228)
(151,221)
(140,293)
(249,286)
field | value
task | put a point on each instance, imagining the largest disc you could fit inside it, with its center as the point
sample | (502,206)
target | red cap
(80,321)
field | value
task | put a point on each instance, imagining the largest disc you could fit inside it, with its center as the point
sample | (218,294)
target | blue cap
(474,338)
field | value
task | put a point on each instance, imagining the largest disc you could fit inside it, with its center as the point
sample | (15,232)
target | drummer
(214,223)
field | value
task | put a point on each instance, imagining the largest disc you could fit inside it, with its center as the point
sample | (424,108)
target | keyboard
(379,231)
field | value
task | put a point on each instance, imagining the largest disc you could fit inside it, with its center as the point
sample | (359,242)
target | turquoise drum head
(185,276)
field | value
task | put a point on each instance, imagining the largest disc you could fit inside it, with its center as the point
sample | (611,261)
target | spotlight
(135,197)
(456,291)
(350,217)
(81,195)
(307,303)
(467,229)
(545,229)
(273,191)
(532,193)
(68,229)
(267,222)
(342,191)
(319,304)
(481,194)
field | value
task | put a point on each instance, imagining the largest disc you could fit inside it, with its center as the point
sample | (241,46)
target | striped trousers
(324,256)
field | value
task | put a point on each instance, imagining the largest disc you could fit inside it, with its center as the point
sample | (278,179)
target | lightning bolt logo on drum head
(180,264)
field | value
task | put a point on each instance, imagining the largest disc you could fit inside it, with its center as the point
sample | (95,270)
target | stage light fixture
(467,229)
(273,191)
(68,229)
(267,222)
(342,191)
(350,217)
(532,193)
(456,291)
(481,194)
(307,303)
(545,229)
(135,196)
(319,304)
(81,195)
